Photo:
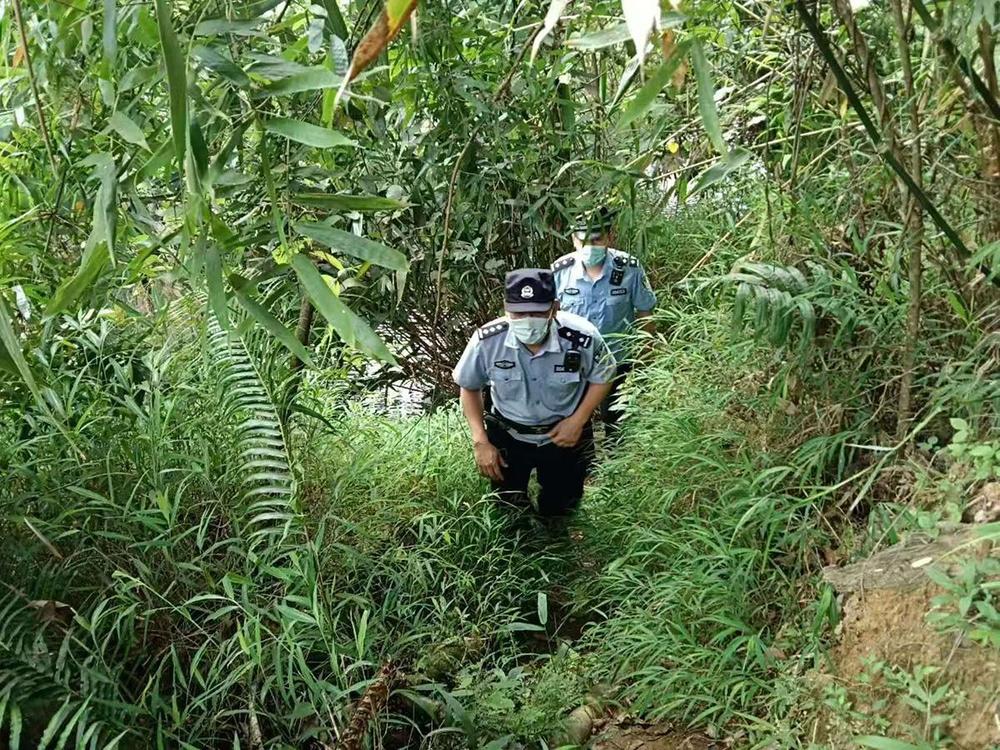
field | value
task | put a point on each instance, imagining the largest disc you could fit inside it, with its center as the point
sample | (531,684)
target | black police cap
(529,290)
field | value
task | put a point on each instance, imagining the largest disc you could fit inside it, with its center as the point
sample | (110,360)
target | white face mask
(593,255)
(529,330)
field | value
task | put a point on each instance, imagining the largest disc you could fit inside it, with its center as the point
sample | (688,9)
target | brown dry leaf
(667,43)
(679,75)
(380,34)
(18,56)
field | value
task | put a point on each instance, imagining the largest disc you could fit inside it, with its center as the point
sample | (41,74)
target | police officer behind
(609,288)
(548,371)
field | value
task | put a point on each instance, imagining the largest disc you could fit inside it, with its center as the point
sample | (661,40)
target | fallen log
(902,566)
(368,707)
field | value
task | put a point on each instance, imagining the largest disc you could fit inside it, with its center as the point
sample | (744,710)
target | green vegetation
(220,532)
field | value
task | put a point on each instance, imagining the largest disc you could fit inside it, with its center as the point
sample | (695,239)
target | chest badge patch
(617,292)
(504,364)
(571,290)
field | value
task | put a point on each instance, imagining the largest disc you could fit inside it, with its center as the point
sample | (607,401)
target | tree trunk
(991,142)
(913,227)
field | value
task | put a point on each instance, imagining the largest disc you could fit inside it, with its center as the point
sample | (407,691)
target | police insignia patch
(571,290)
(504,364)
(492,329)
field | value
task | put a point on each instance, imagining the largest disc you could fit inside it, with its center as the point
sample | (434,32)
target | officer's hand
(489,461)
(567,433)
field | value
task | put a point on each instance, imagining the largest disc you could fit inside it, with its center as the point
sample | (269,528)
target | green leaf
(95,259)
(15,727)
(176,66)
(335,19)
(312,79)
(342,202)
(220,27)
(352,329)
(351,244)
(600,39)
(12,346)
(720,170)
(543,607)
(219,63)
(216,285)
(959,424)
(654,84)
(110,31)
(272,325)
(126,127)
(303,132)
(706,97)
(884,743)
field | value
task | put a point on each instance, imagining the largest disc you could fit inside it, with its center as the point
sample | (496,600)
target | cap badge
(527,292)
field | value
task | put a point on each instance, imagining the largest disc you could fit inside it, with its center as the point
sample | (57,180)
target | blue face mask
(593,255)
(529,330)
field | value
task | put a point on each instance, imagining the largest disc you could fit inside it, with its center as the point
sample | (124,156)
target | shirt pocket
(574,303)
(561,390)
(508,385)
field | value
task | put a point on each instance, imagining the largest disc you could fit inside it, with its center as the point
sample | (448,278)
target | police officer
(609,288)
(548,371)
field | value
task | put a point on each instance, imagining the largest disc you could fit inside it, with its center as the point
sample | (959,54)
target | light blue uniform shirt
(535,389)
(611,300)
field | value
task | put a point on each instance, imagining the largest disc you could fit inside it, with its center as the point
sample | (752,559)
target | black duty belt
(524,429)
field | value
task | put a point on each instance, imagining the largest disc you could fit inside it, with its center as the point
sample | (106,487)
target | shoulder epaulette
(575,337)
(493,328)
(564,262)
(624,259)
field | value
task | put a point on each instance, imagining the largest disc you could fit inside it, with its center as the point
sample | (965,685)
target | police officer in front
(609,288)
(548,371)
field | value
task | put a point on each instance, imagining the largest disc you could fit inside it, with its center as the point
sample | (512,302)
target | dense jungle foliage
(242,246)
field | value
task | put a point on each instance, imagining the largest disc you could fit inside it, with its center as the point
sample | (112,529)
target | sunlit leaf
(351,244)
(110,27)
(127,128)
(352,329)
(304,132)
(706,97)
(600,39)
(641,17)
(555,11)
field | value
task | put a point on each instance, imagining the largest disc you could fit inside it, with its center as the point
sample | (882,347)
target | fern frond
(270,487)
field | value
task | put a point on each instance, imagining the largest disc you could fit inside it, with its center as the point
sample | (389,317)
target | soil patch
(651,737)
(886,631)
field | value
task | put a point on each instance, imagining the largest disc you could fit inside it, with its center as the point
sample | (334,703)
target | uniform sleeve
(643,296)
(602,366)
(469,372)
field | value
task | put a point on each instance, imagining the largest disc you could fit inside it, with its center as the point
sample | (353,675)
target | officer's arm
(591,400)
(472,407)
